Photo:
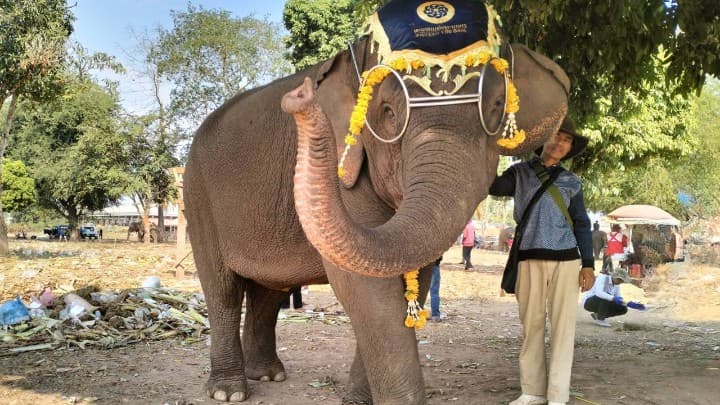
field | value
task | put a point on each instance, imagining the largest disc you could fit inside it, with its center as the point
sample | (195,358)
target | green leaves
(18,187)
(73,149)
(610,47)
(320,28)
(210,56)
(32,46)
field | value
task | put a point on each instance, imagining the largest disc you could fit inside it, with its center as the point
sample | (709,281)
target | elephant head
(434,175)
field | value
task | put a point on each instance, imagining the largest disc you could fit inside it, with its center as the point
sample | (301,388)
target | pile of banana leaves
(113,320)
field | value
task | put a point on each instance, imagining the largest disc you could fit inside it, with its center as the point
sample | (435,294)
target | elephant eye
(389,114)
(389,120)
(499,102)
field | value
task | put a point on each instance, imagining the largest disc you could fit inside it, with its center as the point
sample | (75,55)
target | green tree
(76,155)
(318,29)
(633,145)
(154,138)
(18,187)
(32,39)
(210,56)
(698,173)
(149,157)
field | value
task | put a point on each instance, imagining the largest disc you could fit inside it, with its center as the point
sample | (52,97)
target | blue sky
(107,26)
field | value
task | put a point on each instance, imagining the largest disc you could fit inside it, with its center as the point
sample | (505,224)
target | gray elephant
(261,225)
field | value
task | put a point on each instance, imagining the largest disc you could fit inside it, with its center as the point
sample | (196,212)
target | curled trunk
(427,222)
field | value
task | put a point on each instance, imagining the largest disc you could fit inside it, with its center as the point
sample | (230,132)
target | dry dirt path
(654,357)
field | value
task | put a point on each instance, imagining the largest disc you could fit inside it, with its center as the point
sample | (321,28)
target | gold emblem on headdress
(436,12)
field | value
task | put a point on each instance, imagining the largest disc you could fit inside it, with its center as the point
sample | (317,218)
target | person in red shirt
(468,242)
(617,243)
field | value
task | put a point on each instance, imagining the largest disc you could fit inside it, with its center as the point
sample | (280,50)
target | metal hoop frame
(437,100)
(407,104)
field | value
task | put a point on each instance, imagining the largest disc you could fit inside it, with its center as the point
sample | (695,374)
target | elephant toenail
(265,378)
(220,396)
(279,376)
(238,397)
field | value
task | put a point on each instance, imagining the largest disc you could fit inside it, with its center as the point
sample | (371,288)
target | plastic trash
(104,297)
(151,282)
(12,312)
(48,297)
(74,300)
(36,308)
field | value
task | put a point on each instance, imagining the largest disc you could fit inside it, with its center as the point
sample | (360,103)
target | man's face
(558,145)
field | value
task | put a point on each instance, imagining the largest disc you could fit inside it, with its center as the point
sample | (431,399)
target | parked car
(55,232)
(88,232)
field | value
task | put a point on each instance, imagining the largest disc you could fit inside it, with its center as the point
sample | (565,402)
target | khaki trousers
(547,286)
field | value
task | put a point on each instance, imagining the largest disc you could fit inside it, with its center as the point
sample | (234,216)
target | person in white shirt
(604,300)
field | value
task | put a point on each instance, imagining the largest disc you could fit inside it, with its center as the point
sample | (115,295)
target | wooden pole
(180,253)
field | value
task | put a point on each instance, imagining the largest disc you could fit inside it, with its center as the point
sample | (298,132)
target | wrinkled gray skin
(398,207)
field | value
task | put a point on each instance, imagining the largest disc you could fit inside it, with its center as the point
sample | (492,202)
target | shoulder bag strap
(554,192)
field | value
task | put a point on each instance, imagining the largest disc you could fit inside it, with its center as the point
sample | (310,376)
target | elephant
(267,211)
(138,228)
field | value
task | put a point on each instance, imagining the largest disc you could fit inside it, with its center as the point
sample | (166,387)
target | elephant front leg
(259,340)
(358,391)
(387,349)
(224,294)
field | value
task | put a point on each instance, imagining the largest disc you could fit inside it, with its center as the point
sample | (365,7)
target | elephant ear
(533,71)
(338,74)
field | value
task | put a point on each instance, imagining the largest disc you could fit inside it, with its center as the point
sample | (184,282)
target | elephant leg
(258,339)
(358,391)
(224,291)
(359,388)
(387,349)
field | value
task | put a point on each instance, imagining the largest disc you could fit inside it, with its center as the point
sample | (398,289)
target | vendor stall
(655,237)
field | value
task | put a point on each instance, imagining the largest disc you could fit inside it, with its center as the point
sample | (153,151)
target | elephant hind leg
(259,339)
(224,295)
(224,291)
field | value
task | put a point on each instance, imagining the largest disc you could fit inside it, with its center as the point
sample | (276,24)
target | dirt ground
(669,354)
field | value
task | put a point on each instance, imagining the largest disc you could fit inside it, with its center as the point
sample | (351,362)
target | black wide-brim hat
(579,142)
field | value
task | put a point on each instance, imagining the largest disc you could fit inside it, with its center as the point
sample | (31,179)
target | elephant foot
(348,400)
(227,390)
(274,371)
(357,397)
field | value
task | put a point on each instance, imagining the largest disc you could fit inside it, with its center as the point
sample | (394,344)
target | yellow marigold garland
(510,139)
(416,315)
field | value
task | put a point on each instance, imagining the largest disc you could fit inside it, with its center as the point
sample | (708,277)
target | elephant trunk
(425,225)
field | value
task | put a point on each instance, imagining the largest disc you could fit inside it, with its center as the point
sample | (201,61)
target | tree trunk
(4,247)
(161,224)
(73,221)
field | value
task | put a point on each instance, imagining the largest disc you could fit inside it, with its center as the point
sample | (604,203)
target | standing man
(599,238)
(555,260)
(435,292)
(468,242)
